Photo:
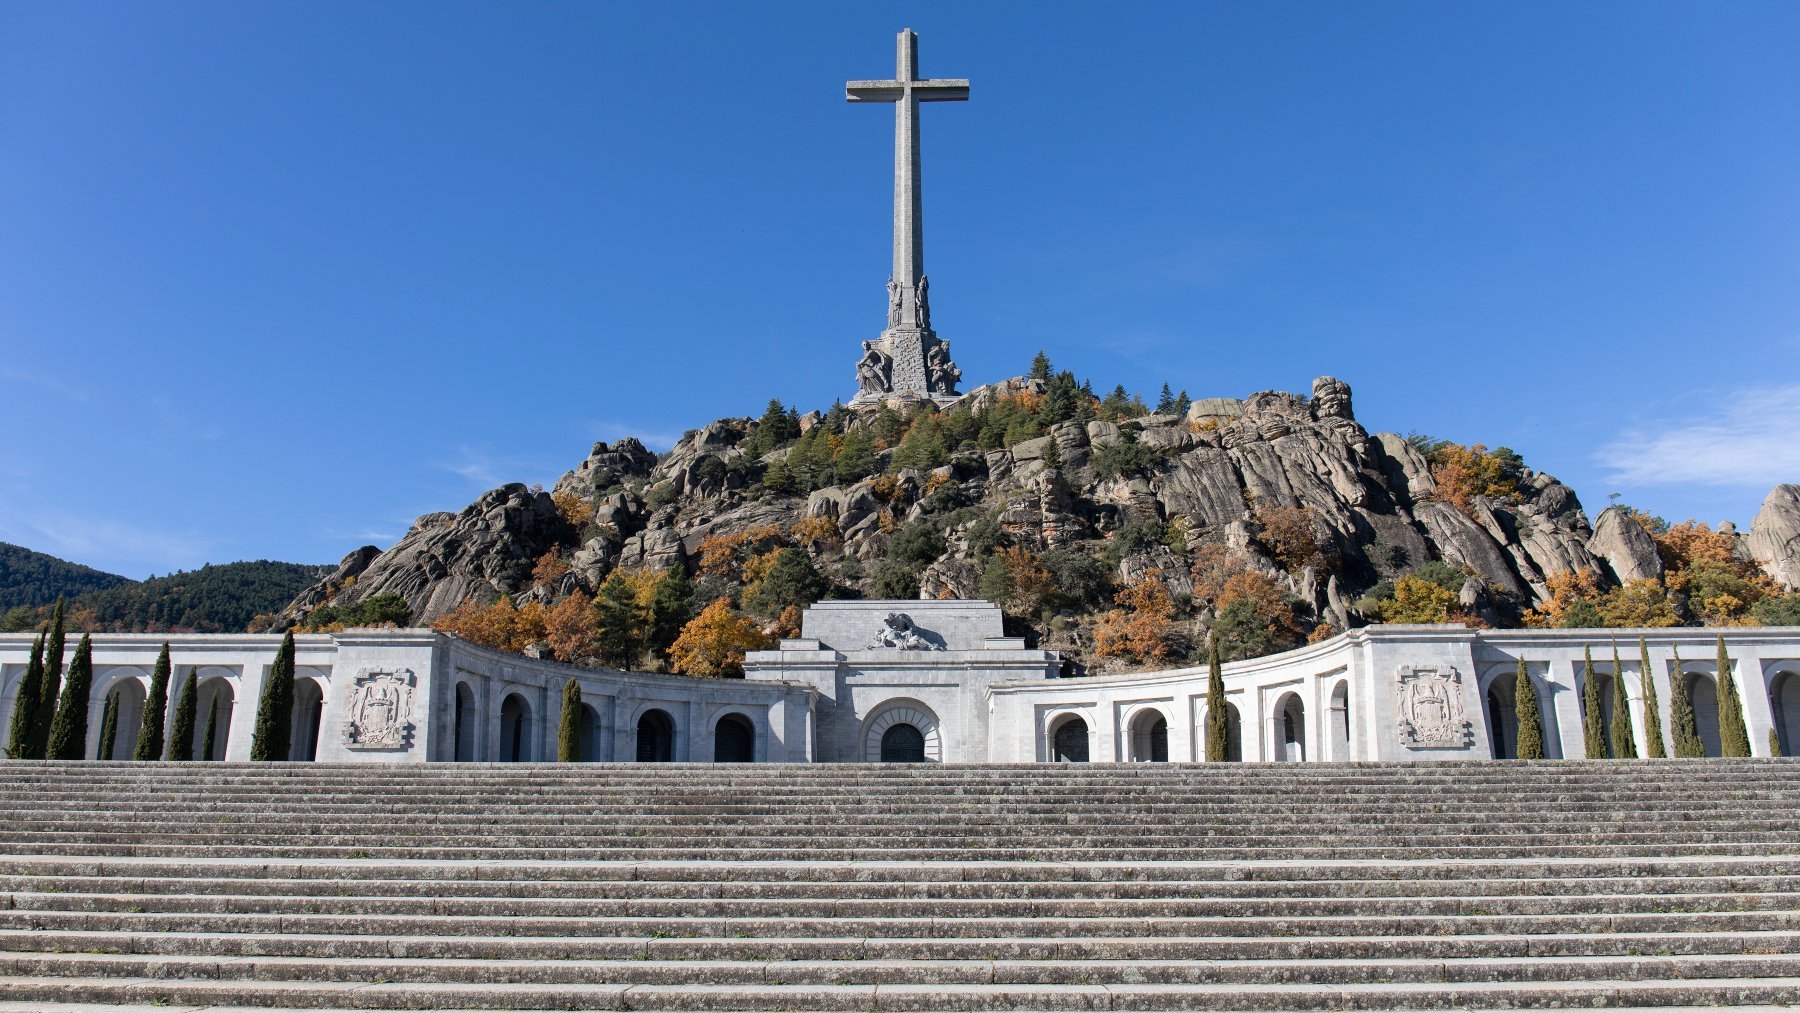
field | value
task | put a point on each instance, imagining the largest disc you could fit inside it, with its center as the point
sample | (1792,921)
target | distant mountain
(212,599)
(31,579)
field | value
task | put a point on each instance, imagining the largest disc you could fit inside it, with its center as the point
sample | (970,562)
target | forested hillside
(31,579)
(212,599)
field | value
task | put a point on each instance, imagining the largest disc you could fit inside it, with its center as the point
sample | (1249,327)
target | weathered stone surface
(607,466)
(1405,467)
(1774,538)
(1627,549)
(1464,542)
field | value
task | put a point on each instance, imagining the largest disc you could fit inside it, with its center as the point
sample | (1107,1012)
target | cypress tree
(1592,727)
(187,708)
(1681,715)
(1624,744)
(23,731)
(68,733)
(275,709)
(49,687)
(212,725)
(150,730)
(1774,742)
(1531,721)
(1217,718)
(1653,736)
(568,738)
(109,727)
(1734,738)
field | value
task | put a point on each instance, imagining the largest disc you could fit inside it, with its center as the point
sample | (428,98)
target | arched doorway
(465,723)
(212,722)
(1069,741)
(587,747)
(515,730)
(902,743)
(1703,697)
(126,699)
(1234,735)
(1784,699)
(1290,729)
(1340,721)
(1502,717)
(734,740)
(1150,737)
(309,710)
(655,737)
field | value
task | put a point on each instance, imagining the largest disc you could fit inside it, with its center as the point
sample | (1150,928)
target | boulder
(1774,540)
(1625,547)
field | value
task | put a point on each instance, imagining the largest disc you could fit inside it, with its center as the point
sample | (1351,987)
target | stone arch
(587,737)
(215,700)
(1703,697)
(929,747)
(515,729)
(126,690)
(309,714)
(655,736)
(1290,728)
(1234,735)
(1603,684)
(1502,714)
(1149,736)
(734,739)
(1784,702)
(1340,720)
(464,723)
(1069,739)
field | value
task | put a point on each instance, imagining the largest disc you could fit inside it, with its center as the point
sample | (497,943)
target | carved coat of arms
(1428,708)
(380,711)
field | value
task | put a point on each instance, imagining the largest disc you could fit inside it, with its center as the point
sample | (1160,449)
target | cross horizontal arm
(944,89)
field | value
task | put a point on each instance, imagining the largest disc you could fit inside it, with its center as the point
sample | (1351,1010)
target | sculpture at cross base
(917,364)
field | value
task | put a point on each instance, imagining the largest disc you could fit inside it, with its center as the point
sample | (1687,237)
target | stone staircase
(929,887)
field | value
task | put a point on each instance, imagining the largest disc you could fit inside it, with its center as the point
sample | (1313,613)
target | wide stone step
(1434,995)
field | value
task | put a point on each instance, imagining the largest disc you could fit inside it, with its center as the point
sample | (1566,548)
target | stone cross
(908,309)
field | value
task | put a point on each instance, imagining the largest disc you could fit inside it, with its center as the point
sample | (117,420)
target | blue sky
(277,278)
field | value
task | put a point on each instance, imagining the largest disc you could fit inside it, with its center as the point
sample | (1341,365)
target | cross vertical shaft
(909,220)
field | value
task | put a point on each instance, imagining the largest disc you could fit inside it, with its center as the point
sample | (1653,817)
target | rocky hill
(1276,515)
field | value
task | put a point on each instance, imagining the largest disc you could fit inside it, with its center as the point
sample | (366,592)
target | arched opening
(1069,741)
(515,730)
(1340,721)
(212,721)
(587,741)
(655,737)
(1784,698)
(126,699)
(465,723)
(902,743)
(309,711)
(734,740)
(1234,735)
(1290,729)
(1502,718)
(1703,697)
(1603,685)
(1150,737)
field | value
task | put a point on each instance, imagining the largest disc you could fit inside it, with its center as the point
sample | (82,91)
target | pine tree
(1531,721)
(1624,746)
(181,736)
(150,730)
(109,727)
(1653,736)
(1592,726)
(1218,724)
(670,609)
(49,687)
(1040,366)
(23,730)
(68,733)
(621,622)
(1165,401)
(855,459)
(1734,738)
(212,727)
(1183,403)
(275,708)
(568,737)
(1052,454)
(1681,715)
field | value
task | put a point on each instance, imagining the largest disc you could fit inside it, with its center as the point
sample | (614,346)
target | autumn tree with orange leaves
(714,644)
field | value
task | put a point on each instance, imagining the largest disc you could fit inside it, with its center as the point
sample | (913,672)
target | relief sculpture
(380,711)
(1428,708)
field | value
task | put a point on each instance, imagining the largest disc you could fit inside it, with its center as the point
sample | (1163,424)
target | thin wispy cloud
(45,382)
(85,538)
(1748,442)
